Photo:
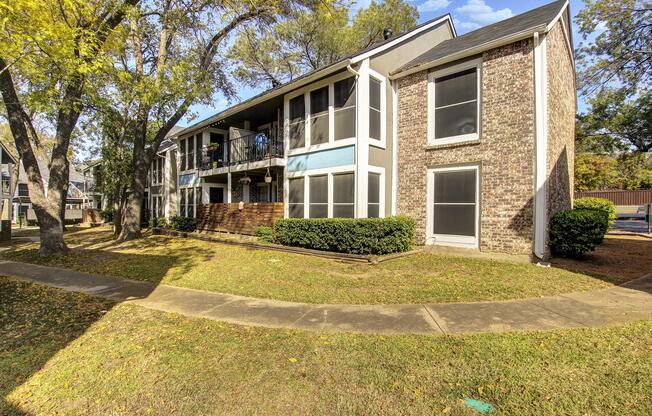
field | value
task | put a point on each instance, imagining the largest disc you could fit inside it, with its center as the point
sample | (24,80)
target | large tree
(310,39)
(170,58)
(48,48)
(614,123)
(619,48)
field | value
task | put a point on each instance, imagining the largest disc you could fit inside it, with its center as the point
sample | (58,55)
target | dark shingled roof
(523,22)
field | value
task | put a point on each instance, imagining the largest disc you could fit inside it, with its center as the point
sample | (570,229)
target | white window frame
(451,239)
(306,188)
(305,91)
(382,143)
(381,192)
(475,63)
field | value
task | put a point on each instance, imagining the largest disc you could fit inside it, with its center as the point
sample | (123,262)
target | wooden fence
(620,197)
(235,219)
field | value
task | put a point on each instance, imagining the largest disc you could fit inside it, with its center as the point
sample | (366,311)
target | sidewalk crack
(433,319)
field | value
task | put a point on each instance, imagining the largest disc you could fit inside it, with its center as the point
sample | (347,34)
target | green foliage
(595,172)
(348,235)
(597,203)
(180,223)
(310,39)
(265,234)
(107,214)
(157,222)
(577,231)
(616,122)
(620,49)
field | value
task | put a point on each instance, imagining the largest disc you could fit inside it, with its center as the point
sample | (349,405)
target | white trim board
(541,144)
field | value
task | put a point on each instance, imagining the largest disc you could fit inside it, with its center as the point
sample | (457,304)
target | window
(22,189)
(454,199)
(198,197)
(216,195)
(182,209)
(198,145)
(319,116)
(344,103)
(343,195)
(297,125)
(374,109)
(190,155)
(182,154)
(295,197)
(454,103)
(190,203)
(373,195)
(318,207)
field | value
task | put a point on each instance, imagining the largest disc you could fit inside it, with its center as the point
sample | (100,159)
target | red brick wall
(505,150)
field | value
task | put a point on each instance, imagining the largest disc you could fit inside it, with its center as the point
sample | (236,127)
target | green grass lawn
(237,270)
(66,353)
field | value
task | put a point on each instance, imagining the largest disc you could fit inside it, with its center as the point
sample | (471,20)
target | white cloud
(465,26)
(480,12)
(432,5)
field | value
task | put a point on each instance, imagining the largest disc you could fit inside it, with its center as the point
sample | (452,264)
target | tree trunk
(51,231)
(131,213)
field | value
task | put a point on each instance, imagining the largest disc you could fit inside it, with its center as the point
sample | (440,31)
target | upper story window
(330,111)
(344,108)
(297,124)
(453,108)
(374,109)
(189,152)
(157,171)
(22,189)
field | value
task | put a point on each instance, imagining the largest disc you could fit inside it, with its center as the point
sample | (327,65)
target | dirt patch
(618,259)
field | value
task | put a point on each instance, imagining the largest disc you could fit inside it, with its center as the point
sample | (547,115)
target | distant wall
(640,197)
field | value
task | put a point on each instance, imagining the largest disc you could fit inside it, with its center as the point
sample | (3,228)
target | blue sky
(467,14)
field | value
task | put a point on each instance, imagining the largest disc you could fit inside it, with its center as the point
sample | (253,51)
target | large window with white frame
(454,205)
(156,171)
(373,195)
(322,195)
(322,113)
(454,103)
(375,120)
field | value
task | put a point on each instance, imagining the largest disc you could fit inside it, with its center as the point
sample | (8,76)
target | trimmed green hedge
(347,235)
(157,222)
(577,231)
(597,203)
(180,223)
(265,234)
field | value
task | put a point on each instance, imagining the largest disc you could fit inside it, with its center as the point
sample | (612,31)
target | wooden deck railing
(230,218)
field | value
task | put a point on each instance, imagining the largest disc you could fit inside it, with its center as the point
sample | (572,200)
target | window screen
(190,158)
(318,186)
(183,212)
(374,108)
(191,202)
(297,126)
(296,197)
(182,154)
(456,104)
(343,195)
(455,203)
(344,103)
(373,195)
(198,146)
(319,116)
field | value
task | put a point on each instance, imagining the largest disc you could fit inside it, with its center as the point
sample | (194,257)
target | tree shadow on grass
(619,259)
(37,321)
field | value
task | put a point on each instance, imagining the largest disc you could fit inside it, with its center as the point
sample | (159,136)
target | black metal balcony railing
(251,148)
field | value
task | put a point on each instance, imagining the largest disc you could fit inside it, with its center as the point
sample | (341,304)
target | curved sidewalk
(632,301)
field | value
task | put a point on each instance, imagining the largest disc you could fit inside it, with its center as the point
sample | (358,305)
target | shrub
(576,231)
(265,234)
(183,223)
(597,203)
(107,214)
(347,235)
(157,222)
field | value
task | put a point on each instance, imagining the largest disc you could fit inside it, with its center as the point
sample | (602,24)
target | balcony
(246,149)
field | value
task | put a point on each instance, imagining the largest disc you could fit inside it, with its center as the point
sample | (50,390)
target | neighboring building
(162,180)
(22,204)
(7,172)
(93,198)
(470,135)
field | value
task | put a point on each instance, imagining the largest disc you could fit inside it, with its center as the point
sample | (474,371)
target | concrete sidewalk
(588,309)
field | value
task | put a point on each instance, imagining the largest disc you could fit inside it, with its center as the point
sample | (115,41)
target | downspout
(353,71)
(541,145)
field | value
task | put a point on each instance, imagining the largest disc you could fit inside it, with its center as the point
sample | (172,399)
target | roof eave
(505,40)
